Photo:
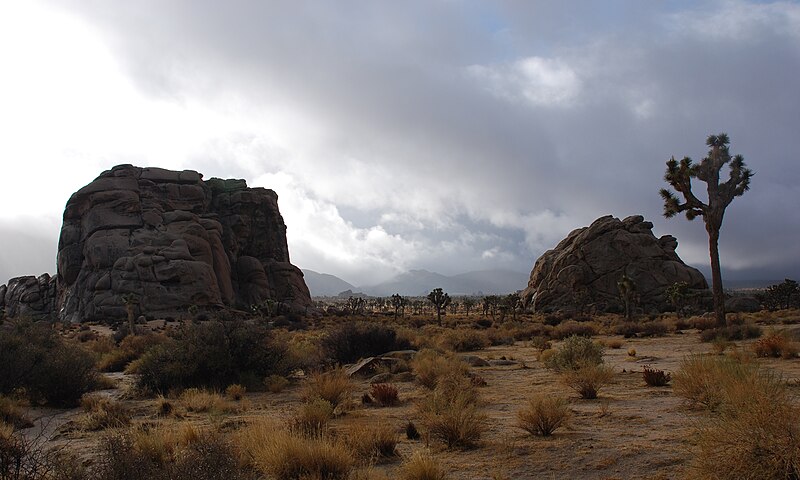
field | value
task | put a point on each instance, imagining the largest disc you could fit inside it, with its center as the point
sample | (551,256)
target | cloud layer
(450,136)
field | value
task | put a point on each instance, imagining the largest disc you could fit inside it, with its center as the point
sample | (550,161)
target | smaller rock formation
(585,267)
(28,296)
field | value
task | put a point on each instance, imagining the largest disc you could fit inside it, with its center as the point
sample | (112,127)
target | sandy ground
(631,431)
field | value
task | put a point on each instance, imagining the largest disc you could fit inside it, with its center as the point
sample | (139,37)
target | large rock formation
(163,241)
(586,266)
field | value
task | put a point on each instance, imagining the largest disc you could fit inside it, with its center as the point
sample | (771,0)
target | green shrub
(212,354)
(34,358)
(347,342)
(576,352)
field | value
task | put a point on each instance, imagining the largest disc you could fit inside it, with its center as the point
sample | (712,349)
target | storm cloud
(445,135)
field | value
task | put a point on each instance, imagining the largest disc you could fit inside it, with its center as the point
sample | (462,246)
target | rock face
(28,296)
(163,241)
(586,266)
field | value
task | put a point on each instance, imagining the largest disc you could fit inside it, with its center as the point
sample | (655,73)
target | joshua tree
(130,300)
(399,304)
(679,176)
(469,304)
(627,291)
(440,301)
(678,294)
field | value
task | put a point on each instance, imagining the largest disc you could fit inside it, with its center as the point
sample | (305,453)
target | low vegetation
(543,415)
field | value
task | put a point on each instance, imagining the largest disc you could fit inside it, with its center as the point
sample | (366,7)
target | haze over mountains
(420,282)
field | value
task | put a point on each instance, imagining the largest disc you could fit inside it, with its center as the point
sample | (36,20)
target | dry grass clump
(373,442)
(312,417)
(235,392)
(130,348)
(421,466)
(588,379)
(464,340)
(706,381)
(384,393)
(543,415)
(158,453)
(776,345)
(755,432)
(333,386)
(102,413)
(573,328)
(286,455)
(451,414)
(164,406)
(576,352)
(654,377)
(200,401)
(275,383)
(12,413)
(615,344)
(429,366)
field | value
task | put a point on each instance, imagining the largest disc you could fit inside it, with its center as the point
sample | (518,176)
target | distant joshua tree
(440,301)
(399,304)
(679,176)
(131,301)
(469,304)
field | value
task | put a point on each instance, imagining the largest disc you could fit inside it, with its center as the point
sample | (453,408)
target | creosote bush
(543,415)
(347,342)
(49,369)
(576,352)
(776,345)
(212,354)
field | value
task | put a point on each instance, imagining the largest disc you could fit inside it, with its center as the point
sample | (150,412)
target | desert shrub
(164,406)
(588,379)
(576,352)
(756,431)
(384,393)
(742,331)
(235,392)
(275,383)
(552,320)
(34,358)
(31,458)
(200,401)
(628,329)
(12,413)
(312,417)
(285,455)
(102,412)
(631,352)
(347,342)
(541,343)
(615,344)
(654,377)
(333,386)
(213,354)
(543,415)
(573,328)
(421,466)
(451,414)
(373,442)
(463,340)
(162,454)
(775,345)
(129,349)
(411,431)
(707,380)
(483,323)
(655,328)
(429,366)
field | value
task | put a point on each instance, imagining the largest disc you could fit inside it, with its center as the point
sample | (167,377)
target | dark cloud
(450,135)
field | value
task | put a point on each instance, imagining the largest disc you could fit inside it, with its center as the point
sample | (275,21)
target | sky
(448,135)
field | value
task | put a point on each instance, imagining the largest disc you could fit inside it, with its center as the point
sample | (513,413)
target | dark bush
(347,342)
(655,328)
(654,377)
(34,358)
(628,329)
(213,354)
(571,328)
(733,332)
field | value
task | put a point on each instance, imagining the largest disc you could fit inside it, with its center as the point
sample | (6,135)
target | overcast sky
(450,135)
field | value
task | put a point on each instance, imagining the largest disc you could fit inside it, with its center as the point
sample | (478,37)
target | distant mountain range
(420,282)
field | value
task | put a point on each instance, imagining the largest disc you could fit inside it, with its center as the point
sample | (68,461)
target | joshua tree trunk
(716,276)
